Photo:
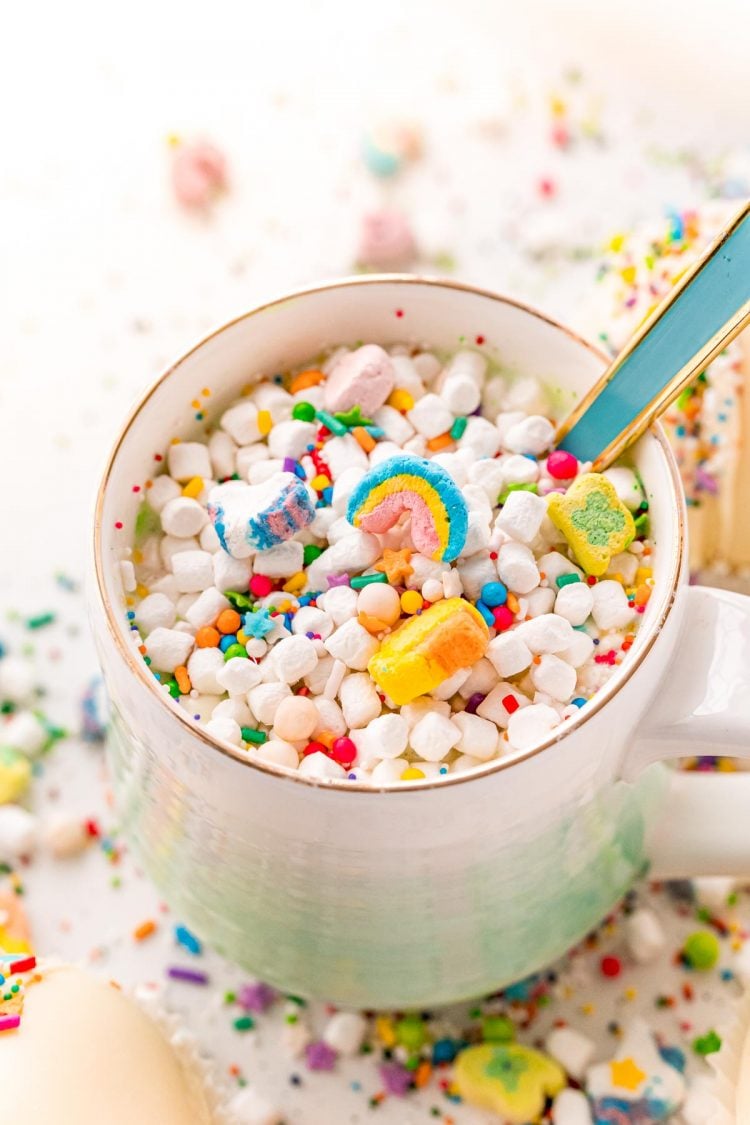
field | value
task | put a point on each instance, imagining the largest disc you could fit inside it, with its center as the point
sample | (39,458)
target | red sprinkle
(479,341)
(118,525)
(343,751)
(610,966)
(315,748)
(22,965)
(503,618)
(510,703)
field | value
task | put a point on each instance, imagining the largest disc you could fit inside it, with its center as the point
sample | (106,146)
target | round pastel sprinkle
(701,950)
(439,515)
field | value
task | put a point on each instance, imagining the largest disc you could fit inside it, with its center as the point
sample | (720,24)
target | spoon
(703,313)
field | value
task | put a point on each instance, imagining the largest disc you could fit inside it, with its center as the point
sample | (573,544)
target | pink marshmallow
(362,378)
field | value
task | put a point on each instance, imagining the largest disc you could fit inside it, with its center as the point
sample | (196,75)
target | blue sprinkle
(299,471)
(375,431)
(674,1057)
(494,594)
(579,702)
(727,974)
(187,940)
(486,614)
(327,495)
(226,641)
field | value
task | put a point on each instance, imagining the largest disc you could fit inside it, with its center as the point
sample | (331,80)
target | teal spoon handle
(705,310)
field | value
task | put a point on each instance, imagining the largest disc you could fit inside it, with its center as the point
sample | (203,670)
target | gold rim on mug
(602,696)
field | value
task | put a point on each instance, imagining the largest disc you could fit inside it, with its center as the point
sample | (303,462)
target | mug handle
(704,824)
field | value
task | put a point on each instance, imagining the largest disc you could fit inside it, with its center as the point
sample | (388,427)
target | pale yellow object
(85,1054)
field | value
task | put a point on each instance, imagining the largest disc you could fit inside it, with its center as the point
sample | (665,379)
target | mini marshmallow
(509,654)
(506,420)
(481,437)
(518,469)
(460,394)
(335,679)
(573,1050)
(388,771)
(293,658)
(308,619)
(22,731)
(406,375)
(208,540)
(165,585)
(203,668)
(226,729)
(624,566)
(239,675)
(278,753)
(430,416)
(474,573)
(534,434)
(572,1107)
(340,603)
(281,561)
(385,737)
(546,633)
(413,712)
(489,475)
(343,488)
(230,573)
(16,680)
(223,453)
(482,678)
(184,604)
(625,483)
(168,649)
(186,460)
(291,439)
(170,546)
(364,377)
(162,490)
(448,688)
(427,366)
(345,452)
(352,644)
(66,836)
(317,679)
(261,471)
(127,576)
(539,601)
(264,700)
(321,767)
(467,364)
(360,701)
(478,736)
(345,1032)
(241,423)
(433,736)
(453,583)
(477,535)
(522,515)
(18,833)
(610,608)
(278,402)
(183,517)
(553,565)
(494,708)
(351,555)
(396,427)
(193,571)
(554,677)
(713,891)
(530,725)
(644,935)
(574,602)
(516,567)
(579,650)
(206,608)
(235,709)
(330,717)
(251,1108)
(463,763)
(250,455)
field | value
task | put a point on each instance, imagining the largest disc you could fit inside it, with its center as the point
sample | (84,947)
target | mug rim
(603,695)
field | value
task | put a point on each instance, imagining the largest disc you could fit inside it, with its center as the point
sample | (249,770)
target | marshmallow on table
(65,835)
(251,1108)
(19,831)
(345,1032)
(644,935)
(573,1050)
(364,378)
(572,1107)
(251,518)
(22,731)
(186,460)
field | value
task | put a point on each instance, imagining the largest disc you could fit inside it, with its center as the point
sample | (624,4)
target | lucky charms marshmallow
(376,568)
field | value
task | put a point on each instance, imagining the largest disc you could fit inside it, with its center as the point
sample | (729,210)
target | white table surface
(103,279)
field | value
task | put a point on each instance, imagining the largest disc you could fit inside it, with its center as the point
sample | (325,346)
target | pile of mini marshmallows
(262,605)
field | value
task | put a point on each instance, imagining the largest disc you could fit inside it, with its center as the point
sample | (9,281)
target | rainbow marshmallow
(439,517)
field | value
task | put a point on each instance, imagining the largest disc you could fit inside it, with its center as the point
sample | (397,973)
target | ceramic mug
(430,891)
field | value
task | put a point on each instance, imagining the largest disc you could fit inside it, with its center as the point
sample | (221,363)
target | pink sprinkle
(561,465)
(9,1023)
(199,174)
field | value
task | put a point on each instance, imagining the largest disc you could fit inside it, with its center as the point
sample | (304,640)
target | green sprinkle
(230,997)
(701,950)
(566,580)
(239,601)
(297,1000)
(244,1023)
(40,620)
(457,429)
(310,553)
(516,488)
(412,1063)
(303,411)
(174,689)
(367,580)
(707,1044)
(641,524)
(498,1029)
(235,650)
(330,422)
(411,1033)
(147,522)
(257,736)
(352,418)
